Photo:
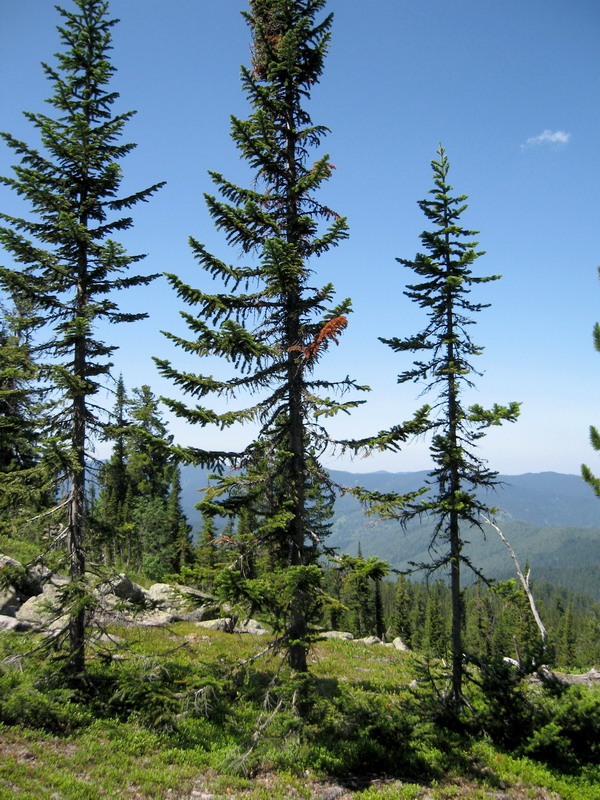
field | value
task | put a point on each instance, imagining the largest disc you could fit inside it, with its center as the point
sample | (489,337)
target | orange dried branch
(331,331)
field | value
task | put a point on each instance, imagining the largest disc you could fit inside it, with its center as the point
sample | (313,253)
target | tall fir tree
(266,318)
(445,283)
(586,473)
(69,263)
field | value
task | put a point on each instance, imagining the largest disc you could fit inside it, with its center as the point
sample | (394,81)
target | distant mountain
(552,520)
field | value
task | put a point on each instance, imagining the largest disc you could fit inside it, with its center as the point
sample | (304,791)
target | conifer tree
(179,529)
(586,473)
(69,264)
(402,624)
(445,282)
(110,509)
(19,426)
(266,318)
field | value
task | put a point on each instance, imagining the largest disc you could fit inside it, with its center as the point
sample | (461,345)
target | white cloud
(548,137)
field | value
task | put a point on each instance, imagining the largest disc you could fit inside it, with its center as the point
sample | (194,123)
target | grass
(176,716)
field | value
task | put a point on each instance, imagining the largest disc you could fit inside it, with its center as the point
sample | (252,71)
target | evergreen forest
(146,652)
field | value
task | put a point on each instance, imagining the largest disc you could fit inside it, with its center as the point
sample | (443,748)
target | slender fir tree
(266,318)
(69,263)
(586,473)
(445,283)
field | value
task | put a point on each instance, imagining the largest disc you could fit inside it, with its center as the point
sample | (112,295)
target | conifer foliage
(266,318)
(445,283)
(68,263)
(586,473)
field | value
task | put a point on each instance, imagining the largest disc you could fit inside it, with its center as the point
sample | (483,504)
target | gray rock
(124,588)
(12,624)
(199,614)
(10,601)
(336,635)
(399,645)
(369,640)
(230,625)
(8,623)
(252,627)
(223,624)
(331,793)
(36,577)
(153,619)
(7,561)
(176,596)
(42,609)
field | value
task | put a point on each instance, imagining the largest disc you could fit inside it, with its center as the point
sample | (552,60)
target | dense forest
(86,528)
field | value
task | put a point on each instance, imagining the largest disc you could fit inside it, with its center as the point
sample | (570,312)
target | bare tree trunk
(523,578)
(75,536)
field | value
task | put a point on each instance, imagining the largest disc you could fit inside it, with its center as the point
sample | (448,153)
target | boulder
(124,588)
(30,580)
(336,635)
(251,626)
(199,614)
(185,603)
(36,577)
(400,645)
(7,561)
(224,624)
(8,623)
(176,596)
(10,601)
(369,640)
(41,610)
(152,619)
(231,625)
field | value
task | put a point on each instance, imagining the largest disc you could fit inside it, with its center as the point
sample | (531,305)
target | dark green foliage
(567,730)
(24,477)
(67,265)
(586,473)
(266,317)
(446,349)
(401,624)
(138,518)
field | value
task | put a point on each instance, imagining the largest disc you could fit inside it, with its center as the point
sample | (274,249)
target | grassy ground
(170,727)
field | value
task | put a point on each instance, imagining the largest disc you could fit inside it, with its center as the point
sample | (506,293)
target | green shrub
(568,732)
(22,702)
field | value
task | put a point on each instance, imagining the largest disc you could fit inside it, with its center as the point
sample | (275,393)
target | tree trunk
(76,525)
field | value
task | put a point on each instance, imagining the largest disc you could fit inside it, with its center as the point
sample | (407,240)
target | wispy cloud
(549,138)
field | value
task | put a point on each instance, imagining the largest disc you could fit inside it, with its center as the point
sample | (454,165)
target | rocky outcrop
(183,602)
(123,588)
(40,610)
(13,624)
(35,603)
(231,625)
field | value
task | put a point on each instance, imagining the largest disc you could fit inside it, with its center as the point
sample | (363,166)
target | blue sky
(510,89)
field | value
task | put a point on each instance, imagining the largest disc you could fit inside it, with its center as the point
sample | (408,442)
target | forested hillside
(552,520)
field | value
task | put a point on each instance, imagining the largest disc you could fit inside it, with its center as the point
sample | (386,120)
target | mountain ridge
(552,520)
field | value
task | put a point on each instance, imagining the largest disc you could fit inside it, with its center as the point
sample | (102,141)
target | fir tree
(69,264)
(111,508)
(179,529)
(266,318)
(20,428)
(402,625)
(445,282)
(586,473)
